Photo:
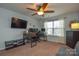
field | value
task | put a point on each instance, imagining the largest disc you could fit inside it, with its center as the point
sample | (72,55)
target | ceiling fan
(40,9)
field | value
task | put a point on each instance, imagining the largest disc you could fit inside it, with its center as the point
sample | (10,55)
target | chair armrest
(66,52)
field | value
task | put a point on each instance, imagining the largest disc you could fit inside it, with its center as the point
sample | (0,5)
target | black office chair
(32,38)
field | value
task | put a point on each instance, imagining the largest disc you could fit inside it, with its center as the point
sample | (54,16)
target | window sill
(54,36)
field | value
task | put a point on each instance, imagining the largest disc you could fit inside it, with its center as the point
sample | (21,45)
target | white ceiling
(59,8)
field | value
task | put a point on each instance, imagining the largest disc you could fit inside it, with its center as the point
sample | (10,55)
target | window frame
(53,29)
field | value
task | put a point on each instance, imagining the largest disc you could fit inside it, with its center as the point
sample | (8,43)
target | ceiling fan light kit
(40,13)
(40,9)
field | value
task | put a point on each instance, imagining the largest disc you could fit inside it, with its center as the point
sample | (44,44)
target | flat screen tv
(18,23)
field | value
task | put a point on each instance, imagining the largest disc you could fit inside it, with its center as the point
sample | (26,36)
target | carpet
(43,48)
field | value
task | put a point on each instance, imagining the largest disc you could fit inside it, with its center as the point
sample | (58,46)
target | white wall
(40,22)
(8,33)
(67,19)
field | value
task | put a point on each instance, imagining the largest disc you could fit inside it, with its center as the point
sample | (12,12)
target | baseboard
(56,42)
(2,48)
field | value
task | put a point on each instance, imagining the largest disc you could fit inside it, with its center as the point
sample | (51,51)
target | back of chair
(32,34)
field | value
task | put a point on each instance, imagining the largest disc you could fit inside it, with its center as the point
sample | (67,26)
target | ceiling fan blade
(44,6)
(34,14)
(50,11)
(31,9)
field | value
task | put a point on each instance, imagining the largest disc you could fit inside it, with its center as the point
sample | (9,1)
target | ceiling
(59,8)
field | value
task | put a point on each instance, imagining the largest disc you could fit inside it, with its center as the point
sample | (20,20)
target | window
(55,28)
(48,27)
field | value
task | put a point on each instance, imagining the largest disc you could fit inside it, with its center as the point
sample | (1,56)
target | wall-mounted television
(18,23)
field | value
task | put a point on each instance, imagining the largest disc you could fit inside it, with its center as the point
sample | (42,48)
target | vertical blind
(55,28)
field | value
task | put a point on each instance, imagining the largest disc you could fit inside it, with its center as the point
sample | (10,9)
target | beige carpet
(42,49)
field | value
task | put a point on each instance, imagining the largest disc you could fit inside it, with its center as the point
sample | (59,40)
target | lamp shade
(75,26)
